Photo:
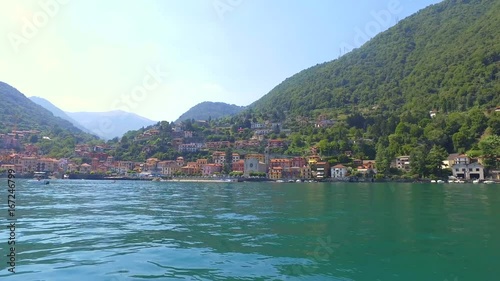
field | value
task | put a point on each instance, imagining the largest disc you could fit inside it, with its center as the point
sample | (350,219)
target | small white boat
(440,181)
(433,181)
(488,182)
(40,178)
(476,181)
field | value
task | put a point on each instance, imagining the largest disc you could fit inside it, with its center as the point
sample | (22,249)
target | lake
(131,230)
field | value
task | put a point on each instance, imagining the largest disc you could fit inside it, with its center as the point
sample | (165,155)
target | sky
(159,58)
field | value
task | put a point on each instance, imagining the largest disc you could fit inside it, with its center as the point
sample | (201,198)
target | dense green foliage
(210,110)
(445,58)
(19,112)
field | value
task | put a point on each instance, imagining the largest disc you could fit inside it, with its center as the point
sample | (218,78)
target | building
(298,162)
(253,165)
(285,164)
(339,171)
(401,163)
(450,161)
(276,143)
(322,170)
(85,168)
(259,157)
(168,168)
(275,173)
(463,168)
(190,147)
(235,157)
(470,171)
(257,126)
(238,166)
(306,172)
(219,157)
(211,169)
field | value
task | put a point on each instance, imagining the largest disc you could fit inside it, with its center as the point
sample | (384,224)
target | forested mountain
(445,57)
(19,112)
(213,110)
(426,87)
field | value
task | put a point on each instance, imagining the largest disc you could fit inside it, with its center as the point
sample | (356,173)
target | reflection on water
(98,230)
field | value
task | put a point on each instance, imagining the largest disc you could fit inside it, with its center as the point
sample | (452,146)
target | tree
(494,123)
(34,139)
(418,161)
(434,160)
(229,161)
(490,146)
(383,158)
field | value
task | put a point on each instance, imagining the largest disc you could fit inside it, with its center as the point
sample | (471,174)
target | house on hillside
(339,171)
(211,169)
(467,170)
(322,170)
(401,163)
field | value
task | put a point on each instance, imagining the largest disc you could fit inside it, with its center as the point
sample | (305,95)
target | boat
(41,178)
(488,182)
(440,181)
(476,181)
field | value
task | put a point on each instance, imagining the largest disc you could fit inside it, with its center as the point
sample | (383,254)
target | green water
(98,230)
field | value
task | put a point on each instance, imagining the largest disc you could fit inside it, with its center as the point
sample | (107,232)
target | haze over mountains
(57,112)
(120,122)
(106,125)
(444,58)
(110,124)
(19,112)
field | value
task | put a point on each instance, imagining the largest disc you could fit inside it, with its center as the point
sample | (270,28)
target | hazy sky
(159,58)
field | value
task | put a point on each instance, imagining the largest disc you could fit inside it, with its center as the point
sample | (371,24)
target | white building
(339,171)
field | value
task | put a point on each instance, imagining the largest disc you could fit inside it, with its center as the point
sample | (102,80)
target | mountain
(207,110)
(17,111)
(445,57)
(108,125)
(56,138)
(57,111)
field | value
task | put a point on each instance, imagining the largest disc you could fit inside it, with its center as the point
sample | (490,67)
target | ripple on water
(97,230)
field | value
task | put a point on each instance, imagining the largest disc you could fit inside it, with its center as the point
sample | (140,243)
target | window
(477,169)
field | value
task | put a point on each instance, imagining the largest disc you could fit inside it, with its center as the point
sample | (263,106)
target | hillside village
(254,157)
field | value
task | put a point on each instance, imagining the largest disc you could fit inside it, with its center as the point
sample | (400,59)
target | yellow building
(276,173)
(260,157)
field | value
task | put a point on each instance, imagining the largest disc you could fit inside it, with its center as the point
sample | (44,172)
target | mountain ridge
(210,110)
(404,65)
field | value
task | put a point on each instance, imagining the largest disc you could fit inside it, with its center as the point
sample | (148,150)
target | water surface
(99,230)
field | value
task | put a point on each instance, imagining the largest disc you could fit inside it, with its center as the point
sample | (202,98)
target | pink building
(210,169)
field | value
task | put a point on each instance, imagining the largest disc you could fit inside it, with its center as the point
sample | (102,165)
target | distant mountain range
(57,112)
(106,125)
(207,110)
